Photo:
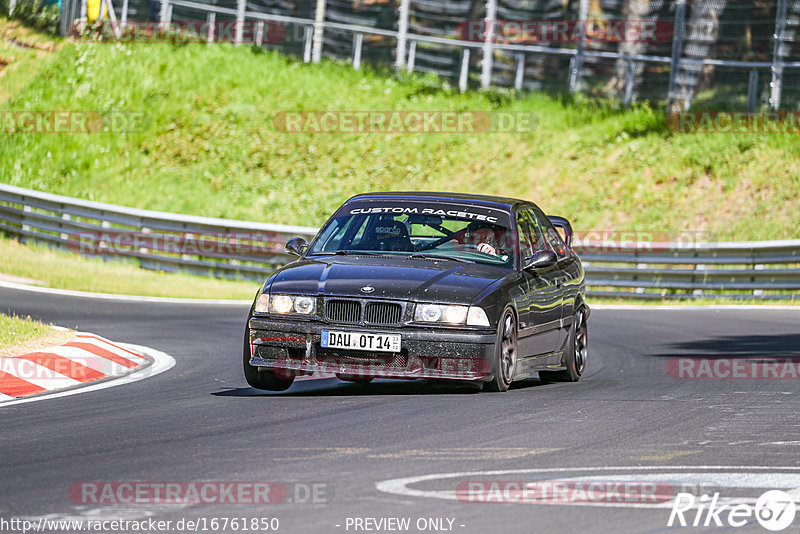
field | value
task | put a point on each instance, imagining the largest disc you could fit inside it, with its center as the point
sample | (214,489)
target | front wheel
(505,354)
(261,379)
(575,354)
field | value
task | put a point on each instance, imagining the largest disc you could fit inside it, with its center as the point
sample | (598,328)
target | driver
(486,237)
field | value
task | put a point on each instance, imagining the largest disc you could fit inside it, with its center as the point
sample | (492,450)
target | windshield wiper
(438,257)
(355,253)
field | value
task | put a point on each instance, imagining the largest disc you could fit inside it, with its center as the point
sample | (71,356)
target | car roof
(486,200)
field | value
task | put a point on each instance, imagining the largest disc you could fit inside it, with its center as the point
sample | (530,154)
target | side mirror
(561,222)
(296,246)
(541,260)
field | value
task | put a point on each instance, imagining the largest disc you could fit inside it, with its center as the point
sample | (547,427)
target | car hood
(391,278)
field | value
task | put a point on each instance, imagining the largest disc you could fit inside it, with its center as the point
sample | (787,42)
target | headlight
(454,314)
(450,314)
(304,305)
(283,304)
(262,303)
(429,313)
(477,317)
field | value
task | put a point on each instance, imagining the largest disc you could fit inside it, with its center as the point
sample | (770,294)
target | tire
(575,353)
(257,378)
(505,353)
(353,379)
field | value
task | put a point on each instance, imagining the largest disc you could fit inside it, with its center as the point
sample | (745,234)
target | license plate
(334,339)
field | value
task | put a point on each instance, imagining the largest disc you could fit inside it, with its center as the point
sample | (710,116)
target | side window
(553,237)
(531,238)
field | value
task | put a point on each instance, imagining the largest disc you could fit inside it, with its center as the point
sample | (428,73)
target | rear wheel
(576,352)
(261,379)
(505,359)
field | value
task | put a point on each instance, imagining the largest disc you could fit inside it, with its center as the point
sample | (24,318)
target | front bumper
(294,348)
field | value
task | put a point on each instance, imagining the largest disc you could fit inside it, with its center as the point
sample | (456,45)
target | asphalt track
(200,422)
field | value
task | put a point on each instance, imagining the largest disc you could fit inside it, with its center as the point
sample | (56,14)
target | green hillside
(208,145)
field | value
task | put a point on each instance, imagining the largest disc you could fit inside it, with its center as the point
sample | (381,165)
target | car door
(539,309)
(566,275)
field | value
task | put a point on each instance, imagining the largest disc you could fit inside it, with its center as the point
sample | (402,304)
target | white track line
(109,296)
(673,307)
(230,302)
(400,486)
(161,362)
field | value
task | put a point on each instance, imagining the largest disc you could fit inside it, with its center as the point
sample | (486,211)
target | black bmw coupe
(418,285)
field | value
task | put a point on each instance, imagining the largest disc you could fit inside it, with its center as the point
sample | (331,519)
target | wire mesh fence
(723,54)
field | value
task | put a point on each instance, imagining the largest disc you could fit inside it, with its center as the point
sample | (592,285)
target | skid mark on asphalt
(319,453)
(663,456)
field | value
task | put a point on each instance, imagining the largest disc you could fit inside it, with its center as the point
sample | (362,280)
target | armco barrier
(162,241)
(239,249)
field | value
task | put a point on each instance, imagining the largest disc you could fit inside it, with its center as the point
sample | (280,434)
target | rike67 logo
(774,510)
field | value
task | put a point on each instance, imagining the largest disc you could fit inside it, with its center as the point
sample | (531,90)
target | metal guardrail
(162,241)
(248,250)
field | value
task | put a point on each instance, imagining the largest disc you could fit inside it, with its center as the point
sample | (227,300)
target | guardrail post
(358,41)
(412,56)
(63,18)
(63,235)
(752,91)
(123,19)
(402,34)
(464,74)
(519,75)
(241,6)
(23,227)
(677,50)
(489,25)
(163,15)
(211,26)
(260,32)
(319,30)
(778,52)
(576,65)
(630,78)
(308,38)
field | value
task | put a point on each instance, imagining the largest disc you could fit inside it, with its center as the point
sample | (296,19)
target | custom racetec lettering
(452,211)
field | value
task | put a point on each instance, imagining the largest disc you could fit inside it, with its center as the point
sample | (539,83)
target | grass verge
(65,270)
(15,330)
(20,335)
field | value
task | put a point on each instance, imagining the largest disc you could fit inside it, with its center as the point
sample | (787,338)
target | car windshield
(420,231)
